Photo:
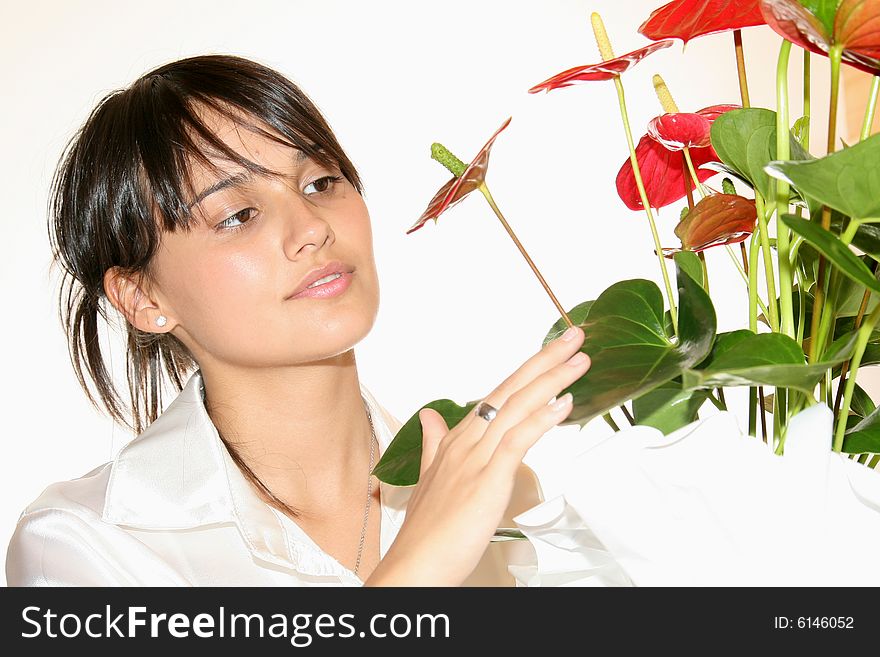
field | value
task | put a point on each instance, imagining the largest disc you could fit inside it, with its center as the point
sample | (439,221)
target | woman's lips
(327,290)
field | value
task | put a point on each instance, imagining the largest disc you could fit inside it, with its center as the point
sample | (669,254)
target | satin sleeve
(60,547)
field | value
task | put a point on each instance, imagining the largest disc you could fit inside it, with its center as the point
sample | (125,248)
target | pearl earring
(161,320)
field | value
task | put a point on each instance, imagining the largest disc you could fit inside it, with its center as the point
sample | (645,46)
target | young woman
(210,205)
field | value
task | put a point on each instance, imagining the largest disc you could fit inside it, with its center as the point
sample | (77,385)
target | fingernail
(570,334)
(578,359)
(562,402)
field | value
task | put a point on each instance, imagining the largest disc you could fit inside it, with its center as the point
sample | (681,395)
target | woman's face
(224,285)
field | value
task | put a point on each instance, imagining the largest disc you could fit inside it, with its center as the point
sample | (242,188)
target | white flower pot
(709,505)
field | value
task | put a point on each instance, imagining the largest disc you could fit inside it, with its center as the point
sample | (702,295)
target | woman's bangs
(187,141)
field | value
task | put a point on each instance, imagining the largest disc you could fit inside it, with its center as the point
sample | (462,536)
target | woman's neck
(303,430)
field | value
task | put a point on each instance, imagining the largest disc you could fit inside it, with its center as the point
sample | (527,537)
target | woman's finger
(517,441)
(553,353)
(531,399)
(558,351)
(434,428)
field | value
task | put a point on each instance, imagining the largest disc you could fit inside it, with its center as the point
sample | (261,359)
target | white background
(460,308)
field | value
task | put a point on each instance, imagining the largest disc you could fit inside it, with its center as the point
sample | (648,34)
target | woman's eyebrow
(236,180)
(232,181)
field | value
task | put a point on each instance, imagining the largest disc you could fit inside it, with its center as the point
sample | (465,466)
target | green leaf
(864,437)
(849,299)
(824,10)
(801,130)
(808,263)
(745,140)
(744,358)
(577,315)
(832,248)
(508,534)
(871,355)
(401,462)
(631,353)
(667,407)
(866,238)
(861,403)
(848,180)
(690,263)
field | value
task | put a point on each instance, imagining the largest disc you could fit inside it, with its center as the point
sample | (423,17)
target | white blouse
(173,509)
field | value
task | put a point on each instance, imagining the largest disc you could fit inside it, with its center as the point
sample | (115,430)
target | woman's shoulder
(58,537)
(82,496)
(88,531)
(80,531)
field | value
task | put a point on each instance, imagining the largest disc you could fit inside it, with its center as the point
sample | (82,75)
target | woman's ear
(130,295)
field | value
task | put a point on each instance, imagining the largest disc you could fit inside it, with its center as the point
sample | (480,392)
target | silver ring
(486,411)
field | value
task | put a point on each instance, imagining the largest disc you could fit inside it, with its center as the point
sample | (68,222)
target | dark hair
(123,180)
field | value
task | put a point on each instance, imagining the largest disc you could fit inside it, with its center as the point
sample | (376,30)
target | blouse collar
(178,474)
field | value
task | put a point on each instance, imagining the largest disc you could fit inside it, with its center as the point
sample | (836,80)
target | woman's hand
(467,474)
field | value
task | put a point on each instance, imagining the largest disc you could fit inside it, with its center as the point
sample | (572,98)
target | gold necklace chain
(369,487)
(369,478)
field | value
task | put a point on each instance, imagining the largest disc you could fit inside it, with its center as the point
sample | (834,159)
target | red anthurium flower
(855,27)
(688,19)
(857,24)
(680,130)
(661,163)
(714,111)
(459,186)
(664,174)
(717,219)
(605,70)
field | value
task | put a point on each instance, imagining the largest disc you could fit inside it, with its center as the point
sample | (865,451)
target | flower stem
(783,235)
(645,202)
(702,255)
(755,397)
(863,307)
(688,193)
(690,165)
(831,279)
(779,426)
(744,274)
(806,135)
(762,413)
(868,121)
(828,313)
(485,190)
(721,406)
(802,309)
(754,246)
(606,52)
(846,238)
(864,334)
(768,265)
(753,407)
(690,202)
(853,225)
(741,67)
(834,54)
(610,421)
(818,303)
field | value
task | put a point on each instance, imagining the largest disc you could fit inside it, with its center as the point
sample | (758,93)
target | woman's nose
(304,228)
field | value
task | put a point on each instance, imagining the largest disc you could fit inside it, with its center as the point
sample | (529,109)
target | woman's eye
(240,216)
(324,184)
